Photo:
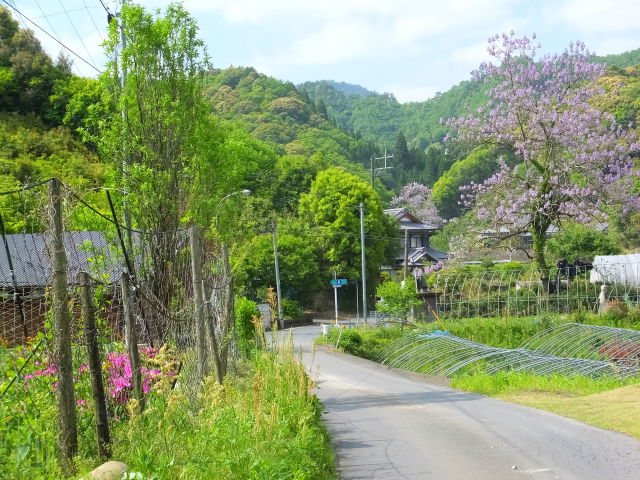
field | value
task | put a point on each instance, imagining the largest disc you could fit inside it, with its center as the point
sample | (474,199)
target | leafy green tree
(397,298)
(401,155)
(479,165)
(160,144)
(80,104)
(294,176)
(434,157)
(253,265)
(331,209)
(158,140)
(576,241)
(27,74)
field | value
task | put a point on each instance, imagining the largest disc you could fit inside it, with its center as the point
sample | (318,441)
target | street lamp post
(244,192)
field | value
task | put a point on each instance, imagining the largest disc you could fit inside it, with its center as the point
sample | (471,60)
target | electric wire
(20,20)
(6,2)
(93,21)
(105,7)
(73,25)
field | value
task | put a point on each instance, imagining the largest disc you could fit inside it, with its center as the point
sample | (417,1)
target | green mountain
(380,117)
(276,112)
(622,60)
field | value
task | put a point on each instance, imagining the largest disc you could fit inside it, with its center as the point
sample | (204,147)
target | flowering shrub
(156,363)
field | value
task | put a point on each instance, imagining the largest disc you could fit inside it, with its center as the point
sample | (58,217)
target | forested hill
(276,112)
(380,116)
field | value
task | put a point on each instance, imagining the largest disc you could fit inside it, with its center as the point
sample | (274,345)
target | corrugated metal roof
(32,261)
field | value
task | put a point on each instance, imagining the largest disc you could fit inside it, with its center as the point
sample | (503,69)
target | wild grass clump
(263,423)
(500,332)
(363,341)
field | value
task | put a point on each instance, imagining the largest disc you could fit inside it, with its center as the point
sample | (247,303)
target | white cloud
(339,31)
(410,93)
(596,16)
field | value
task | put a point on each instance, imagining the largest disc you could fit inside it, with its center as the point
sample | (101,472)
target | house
(503,245)
(420,253)
(23,303)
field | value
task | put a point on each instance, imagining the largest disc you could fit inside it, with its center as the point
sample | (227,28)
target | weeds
(263,423)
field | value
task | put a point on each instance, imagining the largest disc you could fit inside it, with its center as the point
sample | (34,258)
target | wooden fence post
(95,366)
(198,295)
(227,322)
(67,430)
(131,338)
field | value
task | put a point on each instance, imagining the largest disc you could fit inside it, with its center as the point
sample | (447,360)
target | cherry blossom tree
(574,161)
(417,199)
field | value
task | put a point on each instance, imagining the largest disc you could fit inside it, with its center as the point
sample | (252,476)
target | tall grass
(263,423)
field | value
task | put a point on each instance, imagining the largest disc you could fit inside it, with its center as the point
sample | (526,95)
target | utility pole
(364,264)
(277,267)
(375,172)
(123,113)
(335,296)
(406,254)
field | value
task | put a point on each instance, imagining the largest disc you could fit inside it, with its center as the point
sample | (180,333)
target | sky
(410,48)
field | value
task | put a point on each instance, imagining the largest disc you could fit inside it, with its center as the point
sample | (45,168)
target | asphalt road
(387,426)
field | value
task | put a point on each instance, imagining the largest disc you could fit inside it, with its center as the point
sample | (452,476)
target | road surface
(388,426)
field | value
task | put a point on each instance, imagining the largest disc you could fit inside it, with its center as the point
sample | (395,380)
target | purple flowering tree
(574,161)
(417,198)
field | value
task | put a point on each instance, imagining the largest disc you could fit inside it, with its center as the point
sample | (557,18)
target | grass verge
(609,403)
(263,423)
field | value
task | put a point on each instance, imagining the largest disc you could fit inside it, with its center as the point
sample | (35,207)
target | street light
(244,192)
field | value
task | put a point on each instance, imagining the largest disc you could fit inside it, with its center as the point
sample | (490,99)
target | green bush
(363,341)
(245,310)
(233,431)
(291,309)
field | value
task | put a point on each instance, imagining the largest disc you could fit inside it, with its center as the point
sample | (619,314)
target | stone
(108,471)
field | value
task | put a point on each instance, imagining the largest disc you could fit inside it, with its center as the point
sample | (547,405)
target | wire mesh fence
(159,264)
(147,291)
(523,291)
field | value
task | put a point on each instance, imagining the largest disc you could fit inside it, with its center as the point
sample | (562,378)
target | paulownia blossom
(574,161)
(417,198)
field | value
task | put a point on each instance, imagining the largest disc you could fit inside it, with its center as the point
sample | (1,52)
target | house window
(416,241)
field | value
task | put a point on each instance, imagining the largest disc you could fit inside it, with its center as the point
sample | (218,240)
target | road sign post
(336,283)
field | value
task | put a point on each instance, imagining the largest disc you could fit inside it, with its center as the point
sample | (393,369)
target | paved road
(388,426)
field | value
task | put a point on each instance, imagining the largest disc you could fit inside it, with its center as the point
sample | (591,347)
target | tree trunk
(95,366)
(67,430)
(539,243)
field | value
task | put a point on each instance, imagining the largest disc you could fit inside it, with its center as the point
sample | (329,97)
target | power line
(78,34)
(50,36)
(20,19)
(93,21)
(46,17)
(105,8)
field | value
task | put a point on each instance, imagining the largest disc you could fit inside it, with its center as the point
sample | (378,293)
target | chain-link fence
(75,275)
